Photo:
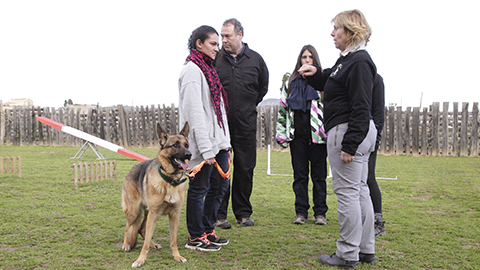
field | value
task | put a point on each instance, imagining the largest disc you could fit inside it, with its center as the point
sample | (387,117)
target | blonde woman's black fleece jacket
(347,90)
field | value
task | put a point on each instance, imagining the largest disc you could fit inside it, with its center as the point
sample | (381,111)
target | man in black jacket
(244,76)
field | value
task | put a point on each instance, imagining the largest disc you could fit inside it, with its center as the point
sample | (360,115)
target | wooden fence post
(93,171)
(435,127)
(275,145)
(19,166)
(2,124)
(474,134)
(7,164)
(14,165)
(81,172)
(445,148)
(415,131)
(122,125)
(105,170)
(391,130)
(75,175)
(455,149)
(115,171)
(100,171)
(259,127)
(173,121)
(399,134)
(464,131)
(269,127)
(407,131)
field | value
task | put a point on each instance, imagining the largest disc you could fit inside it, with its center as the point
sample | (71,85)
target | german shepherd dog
(156,187)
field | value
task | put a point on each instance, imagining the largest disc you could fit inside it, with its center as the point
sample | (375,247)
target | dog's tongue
(184,165)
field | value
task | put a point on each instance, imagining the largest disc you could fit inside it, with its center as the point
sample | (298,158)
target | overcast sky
(131,52)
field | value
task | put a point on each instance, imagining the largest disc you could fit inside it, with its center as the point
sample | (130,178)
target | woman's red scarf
(205,63)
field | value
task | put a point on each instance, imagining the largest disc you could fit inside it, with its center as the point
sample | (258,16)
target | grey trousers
(349,182)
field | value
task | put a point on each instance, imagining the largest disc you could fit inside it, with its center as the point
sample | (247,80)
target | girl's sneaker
(202,243)
(212,237)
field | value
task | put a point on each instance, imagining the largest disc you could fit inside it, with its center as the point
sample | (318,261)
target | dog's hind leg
(133,214)
(174,219)
(150,227)
(131,232)
(142,232)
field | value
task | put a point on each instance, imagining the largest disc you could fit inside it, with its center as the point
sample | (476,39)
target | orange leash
(192,172)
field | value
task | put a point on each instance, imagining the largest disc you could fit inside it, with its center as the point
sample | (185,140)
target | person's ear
(199,44)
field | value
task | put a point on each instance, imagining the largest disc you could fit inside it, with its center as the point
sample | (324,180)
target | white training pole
(386,178)
(329,169)
(268,164)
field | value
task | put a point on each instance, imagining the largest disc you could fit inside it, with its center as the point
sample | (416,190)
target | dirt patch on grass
(12,249)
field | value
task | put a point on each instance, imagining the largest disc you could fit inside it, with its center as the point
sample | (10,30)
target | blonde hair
(355,25)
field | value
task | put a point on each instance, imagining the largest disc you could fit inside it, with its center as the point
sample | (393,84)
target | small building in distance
(83,108)
(18,102)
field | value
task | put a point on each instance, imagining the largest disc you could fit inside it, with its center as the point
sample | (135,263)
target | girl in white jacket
(203,103)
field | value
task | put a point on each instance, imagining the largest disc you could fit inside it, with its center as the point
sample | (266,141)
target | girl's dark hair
(316,61)
(203,32)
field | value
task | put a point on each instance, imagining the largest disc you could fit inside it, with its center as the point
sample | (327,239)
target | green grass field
(432,212)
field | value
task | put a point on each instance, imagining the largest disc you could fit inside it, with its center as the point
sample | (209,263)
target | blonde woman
(351,136)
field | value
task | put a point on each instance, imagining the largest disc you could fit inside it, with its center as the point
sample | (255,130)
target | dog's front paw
(179,259)
(138,263)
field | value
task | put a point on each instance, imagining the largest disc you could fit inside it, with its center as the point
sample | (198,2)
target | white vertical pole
(268,162)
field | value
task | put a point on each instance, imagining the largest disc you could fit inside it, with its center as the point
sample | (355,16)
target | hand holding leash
(191,173)
(210,161)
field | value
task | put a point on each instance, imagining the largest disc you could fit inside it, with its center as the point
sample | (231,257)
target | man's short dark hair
(237,26)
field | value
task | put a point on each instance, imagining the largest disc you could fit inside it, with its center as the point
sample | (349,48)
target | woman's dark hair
(316,61)
(203,32)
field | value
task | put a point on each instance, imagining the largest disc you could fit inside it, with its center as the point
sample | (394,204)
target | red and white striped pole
(82,135)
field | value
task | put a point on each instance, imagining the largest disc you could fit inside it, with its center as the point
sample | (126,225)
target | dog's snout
(188,155)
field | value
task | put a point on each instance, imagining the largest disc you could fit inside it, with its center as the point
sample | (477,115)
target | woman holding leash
(351,136)
(300,124)
(203,103)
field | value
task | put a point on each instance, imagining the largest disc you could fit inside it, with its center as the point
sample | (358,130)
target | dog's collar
(173,182)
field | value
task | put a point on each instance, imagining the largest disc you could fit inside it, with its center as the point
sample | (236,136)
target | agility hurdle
(95,171)
(12,165)
(91,139)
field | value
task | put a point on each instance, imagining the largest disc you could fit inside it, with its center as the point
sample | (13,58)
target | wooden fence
(126,126)
(432,131)
(88,172)
(11,165)
(416,131)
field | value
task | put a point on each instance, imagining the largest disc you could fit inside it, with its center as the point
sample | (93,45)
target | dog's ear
(162,135)
(185,130)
